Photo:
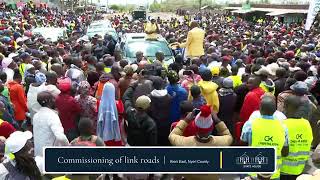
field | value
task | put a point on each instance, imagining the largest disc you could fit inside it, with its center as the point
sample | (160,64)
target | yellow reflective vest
(262,136)
(300,139)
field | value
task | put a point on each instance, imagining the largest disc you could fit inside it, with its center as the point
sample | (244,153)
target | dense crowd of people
(233,82)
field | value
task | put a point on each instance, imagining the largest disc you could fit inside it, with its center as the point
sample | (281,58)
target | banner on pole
(314,8)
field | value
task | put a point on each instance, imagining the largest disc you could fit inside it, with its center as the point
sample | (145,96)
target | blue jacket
(178,95)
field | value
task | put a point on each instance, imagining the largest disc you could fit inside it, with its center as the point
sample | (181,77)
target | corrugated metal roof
(241,11)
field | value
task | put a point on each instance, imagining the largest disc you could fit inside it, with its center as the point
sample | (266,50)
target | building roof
(270,11)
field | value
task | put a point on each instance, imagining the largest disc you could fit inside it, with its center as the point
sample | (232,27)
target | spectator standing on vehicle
(195,41)
(152,29)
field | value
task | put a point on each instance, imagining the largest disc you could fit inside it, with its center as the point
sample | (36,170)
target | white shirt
(47,130)
(9,73)
(277,115)
(32,102)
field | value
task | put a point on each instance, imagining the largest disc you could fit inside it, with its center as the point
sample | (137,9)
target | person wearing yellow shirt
(195,40)
(235,78)
(300,135)
(152,29)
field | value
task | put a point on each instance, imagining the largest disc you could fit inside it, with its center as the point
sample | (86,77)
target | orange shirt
(18,99)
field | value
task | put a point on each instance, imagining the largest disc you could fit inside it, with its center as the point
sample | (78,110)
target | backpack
(79,142)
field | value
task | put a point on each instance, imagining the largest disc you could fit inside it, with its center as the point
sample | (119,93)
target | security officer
(258,133)
(300,136)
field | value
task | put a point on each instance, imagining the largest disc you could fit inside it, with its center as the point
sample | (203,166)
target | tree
(155,6)
(115,7)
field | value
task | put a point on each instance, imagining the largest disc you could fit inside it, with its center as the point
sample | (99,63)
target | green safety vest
(107,70)
(262,136)
(300,139)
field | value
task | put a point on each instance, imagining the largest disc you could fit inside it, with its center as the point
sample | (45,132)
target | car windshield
(149,48)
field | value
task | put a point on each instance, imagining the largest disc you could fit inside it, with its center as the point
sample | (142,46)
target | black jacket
(142,130)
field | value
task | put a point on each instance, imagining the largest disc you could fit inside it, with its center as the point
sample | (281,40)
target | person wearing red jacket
(252,100)
(18,98)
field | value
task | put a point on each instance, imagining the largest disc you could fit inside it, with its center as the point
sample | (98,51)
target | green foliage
(155,6)
(115,7)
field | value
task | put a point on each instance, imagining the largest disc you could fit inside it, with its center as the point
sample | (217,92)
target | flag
(314,8)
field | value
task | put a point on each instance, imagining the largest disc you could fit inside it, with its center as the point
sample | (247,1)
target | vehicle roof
(101,22)
(140,37)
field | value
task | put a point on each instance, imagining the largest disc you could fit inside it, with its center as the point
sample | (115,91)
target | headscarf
(40,77)
(108,125)
(84,88)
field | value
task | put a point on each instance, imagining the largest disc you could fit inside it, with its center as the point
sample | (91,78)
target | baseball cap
(215,71)
(16,141)
(6,62)
(143,102)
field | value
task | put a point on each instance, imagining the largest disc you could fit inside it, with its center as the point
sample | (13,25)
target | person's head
(100,67)
(195,91)
(245,77)
(224,72)
(40,78)
(173,77)
(142,103)
(268,105)
(160,56)
(52,77)
(92,60)
(17,76)
(117,72)
(26,58)
(253,82)
(300,88)
(203,122)
(291,105)
(37,64)
(234,70)
(206,75)
(123,63)
(153,21)
(85,127)
(58,69)
(227,83)
(46,99)
(84,88)
(108,61)
(185,108)
(3,76)
(19,149)
(77,62)
(64,85)
(194,24)
(281,72)
(139,56)
(300,76)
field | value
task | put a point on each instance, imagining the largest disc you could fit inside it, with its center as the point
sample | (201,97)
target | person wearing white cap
(19,163)
(8,65)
